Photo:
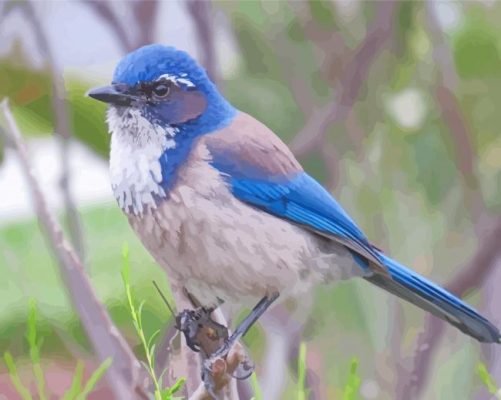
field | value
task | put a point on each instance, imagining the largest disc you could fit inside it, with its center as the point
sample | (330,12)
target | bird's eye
(161,90)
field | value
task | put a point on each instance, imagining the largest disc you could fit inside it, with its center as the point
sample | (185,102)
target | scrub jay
(222,204)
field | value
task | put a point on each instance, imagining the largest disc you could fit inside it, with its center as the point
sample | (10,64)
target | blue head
(168,87)
(160,101)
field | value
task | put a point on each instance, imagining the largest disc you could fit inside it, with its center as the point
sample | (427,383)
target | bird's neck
(145,156)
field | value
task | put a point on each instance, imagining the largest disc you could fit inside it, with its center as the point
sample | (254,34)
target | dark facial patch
(171,104)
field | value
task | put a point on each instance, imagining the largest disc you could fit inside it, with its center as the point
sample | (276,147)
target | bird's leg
(239,332)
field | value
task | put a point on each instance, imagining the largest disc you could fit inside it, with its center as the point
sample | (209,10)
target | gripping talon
(244,370)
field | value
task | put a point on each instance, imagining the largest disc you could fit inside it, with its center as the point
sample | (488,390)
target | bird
(222,204)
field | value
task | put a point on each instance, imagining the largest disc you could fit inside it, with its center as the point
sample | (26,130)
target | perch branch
(221,372)
(122,375)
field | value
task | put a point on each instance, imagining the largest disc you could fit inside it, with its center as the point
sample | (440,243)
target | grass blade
(34,345)
(258,394)
(353,383)
(94,379)
(76,383)
(301,372)
(14,377)
(488,380)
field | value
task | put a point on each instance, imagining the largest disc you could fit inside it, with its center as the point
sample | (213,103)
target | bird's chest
(192,233)
(216,245)
(188,221)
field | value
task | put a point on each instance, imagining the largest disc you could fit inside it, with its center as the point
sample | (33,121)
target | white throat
(136,147)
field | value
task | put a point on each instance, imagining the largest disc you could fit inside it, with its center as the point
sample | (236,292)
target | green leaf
(405,25)
(14,377)
(30,93)
(87,118)
(76,383)
(31,334)
(152,337)
(301,372)
(258,394)
(486,378)
(35,346)
(323,13)
(125,263)
(175,388)
(476,53)
(140,315)
(152,354)
(94,379)
(353,383)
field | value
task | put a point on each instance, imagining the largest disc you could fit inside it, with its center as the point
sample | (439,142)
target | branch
(61,128)
(457,125)
(105,338)
(221,372)
(351,82)
(144,13)
(202,18)
(103,10)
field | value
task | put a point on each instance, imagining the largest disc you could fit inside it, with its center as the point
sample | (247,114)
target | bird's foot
(198,328)
(245,367)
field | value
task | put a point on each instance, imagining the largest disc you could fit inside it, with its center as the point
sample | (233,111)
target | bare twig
(351,82)
(103,9)
(221,372)
(331,42)
(61,129)
(106,339)
(202,17)
(330,157)
(458,127)
(144,13)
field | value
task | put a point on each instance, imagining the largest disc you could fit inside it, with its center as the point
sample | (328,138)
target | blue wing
(304,201)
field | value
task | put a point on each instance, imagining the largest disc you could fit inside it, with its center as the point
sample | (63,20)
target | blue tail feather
(418,290)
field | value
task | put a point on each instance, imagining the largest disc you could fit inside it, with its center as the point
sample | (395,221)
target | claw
(245,366)
(197,325)
(244,369)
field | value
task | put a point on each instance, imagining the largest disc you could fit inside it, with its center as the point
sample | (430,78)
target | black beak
(118,94)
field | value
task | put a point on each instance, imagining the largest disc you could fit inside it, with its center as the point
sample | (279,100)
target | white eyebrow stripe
(174,79)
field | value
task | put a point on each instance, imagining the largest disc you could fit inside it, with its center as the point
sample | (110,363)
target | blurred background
(394,106)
